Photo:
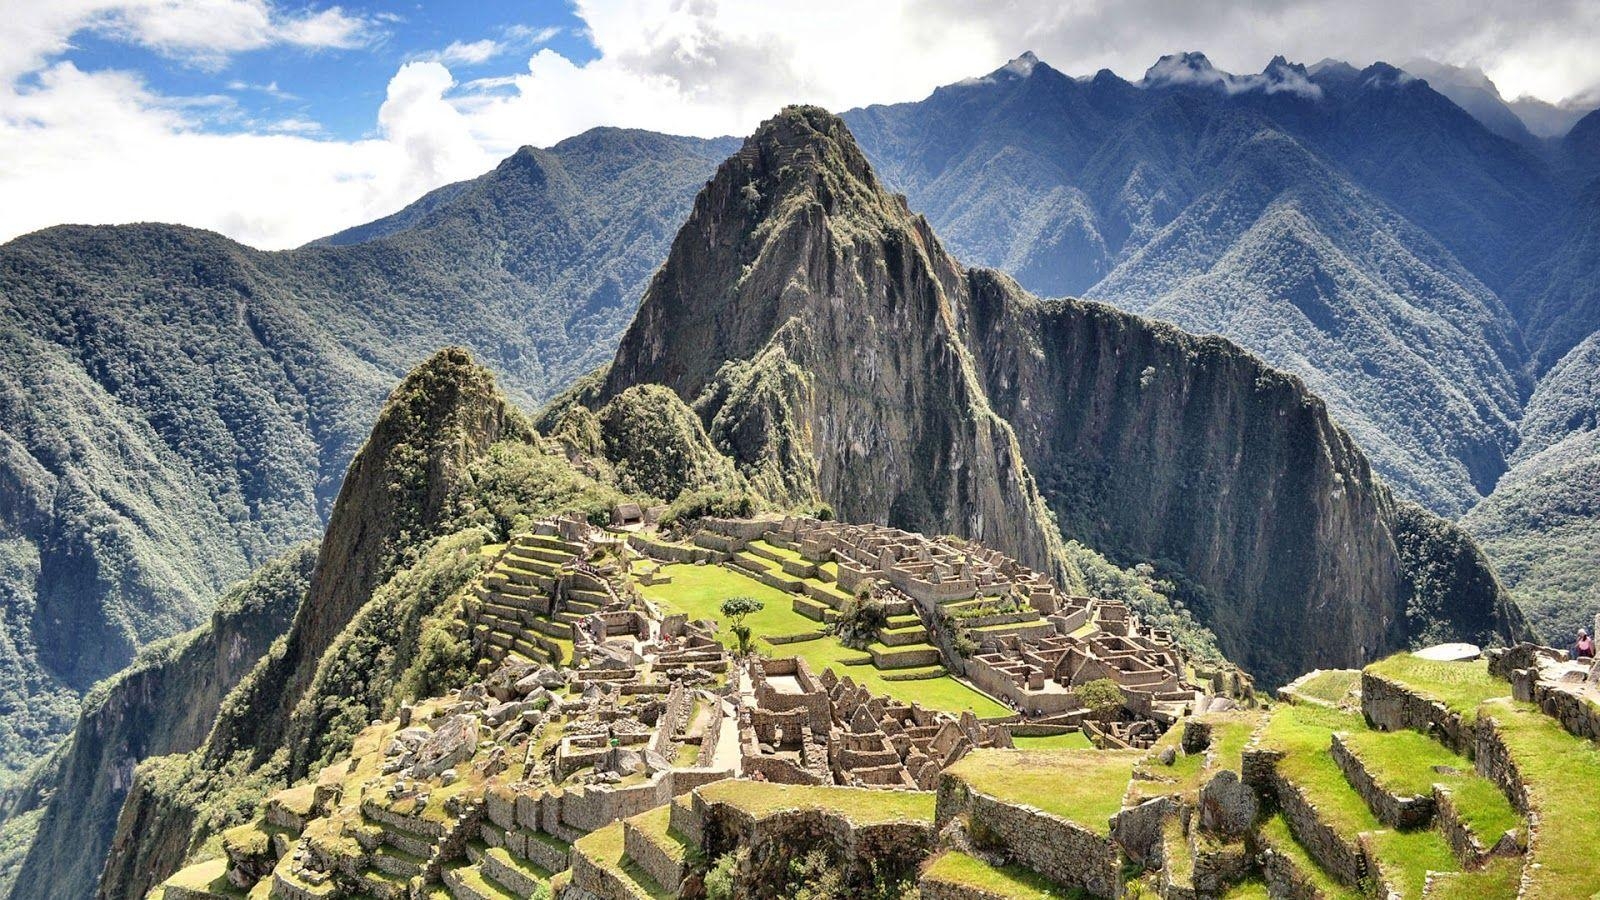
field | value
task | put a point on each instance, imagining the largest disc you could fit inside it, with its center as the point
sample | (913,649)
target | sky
(279,122)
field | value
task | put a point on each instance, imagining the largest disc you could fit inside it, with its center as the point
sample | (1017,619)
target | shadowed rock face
(942,399)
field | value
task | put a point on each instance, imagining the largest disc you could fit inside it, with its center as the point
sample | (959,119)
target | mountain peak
(1191,67)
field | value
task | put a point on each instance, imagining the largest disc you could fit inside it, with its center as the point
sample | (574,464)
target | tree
(735,609)
(1102,696)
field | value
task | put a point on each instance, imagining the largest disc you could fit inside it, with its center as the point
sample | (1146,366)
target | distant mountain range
(176,408)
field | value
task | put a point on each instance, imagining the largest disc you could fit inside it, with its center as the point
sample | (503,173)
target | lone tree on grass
(1102,696)
(735,609)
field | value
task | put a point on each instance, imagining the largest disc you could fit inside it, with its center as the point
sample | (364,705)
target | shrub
(859,621)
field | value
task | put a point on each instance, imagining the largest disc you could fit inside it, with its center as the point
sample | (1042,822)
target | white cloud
(476,53)
(101,147)
(205,32)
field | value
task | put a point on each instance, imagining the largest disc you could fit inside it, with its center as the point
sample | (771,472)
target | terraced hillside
(800,598)
(1414,778)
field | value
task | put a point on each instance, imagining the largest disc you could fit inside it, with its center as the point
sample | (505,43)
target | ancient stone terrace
(550,594)
(797,728)
(481,792)
(1033,645)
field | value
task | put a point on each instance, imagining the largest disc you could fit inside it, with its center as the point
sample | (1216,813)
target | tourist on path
(1584,649)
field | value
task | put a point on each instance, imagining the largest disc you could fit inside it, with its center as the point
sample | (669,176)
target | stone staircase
(514,611)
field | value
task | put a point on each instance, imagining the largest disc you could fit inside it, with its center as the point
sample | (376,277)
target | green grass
(1304,734)
(1252,889)
(1276,834)
(1072,740)
(1499,879)
(210,876)
(1561,772)
(657,824)
(791,555)
(1332,686)
(1082,786)
(955,867)
(1408,762)
(1406,857)
(605,848)
(1460,686)
(699,591)
(859,806)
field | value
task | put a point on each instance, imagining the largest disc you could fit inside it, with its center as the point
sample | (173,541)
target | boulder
(1228,807)
(454,740)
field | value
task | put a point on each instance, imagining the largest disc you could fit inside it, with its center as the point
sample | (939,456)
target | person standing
(1584,648)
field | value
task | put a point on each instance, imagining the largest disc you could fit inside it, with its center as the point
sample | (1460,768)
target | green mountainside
(176,409)
(809,345)
(942,399)
(1541,525)
(1354,228)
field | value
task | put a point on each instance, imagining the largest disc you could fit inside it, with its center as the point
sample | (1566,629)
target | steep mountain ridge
(176,408)
(165,703)
(924,390)
(797,216)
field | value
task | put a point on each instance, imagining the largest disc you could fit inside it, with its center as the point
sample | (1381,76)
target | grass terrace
(1082,786)
(1275,834)
(699,591)
(957,868)
(605,848)
(1460,686)
(1330,686)
(1409,762)
(1561,772)
(859,806)
(1072,740)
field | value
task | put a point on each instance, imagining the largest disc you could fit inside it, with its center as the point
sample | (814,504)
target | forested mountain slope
(1354,227)
(818,326)
(176,408)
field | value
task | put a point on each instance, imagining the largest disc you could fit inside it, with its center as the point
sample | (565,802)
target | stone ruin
(1030,645)
(798,728)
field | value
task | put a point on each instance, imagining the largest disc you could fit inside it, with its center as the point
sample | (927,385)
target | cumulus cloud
(102,147)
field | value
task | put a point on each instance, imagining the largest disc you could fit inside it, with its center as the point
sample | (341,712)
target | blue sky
(279,121)
(338,89)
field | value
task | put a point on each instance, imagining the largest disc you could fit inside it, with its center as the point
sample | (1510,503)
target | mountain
(436,426)
(814,322)
(1469,88)
(176,408)
(1352,227)
(1554,120)
(878,377)
(1541,525)
(164,703)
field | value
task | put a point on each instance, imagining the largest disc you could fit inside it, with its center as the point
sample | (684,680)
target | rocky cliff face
(166,703)
(948,400)
(797,263)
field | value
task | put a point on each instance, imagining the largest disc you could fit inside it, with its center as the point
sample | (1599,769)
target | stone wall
(894,848)
(1059,850)
(1392,706)
(1343,859)
(1394,810)
(653,858)
(1470,848)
